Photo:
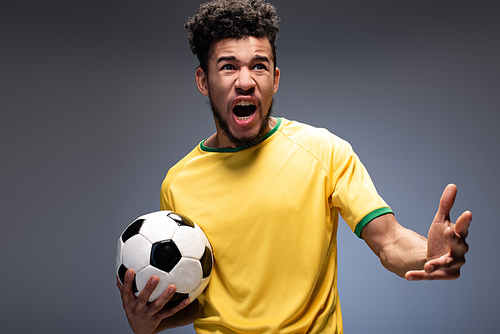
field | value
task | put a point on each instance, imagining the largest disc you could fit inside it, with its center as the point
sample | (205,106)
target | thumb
(446,203)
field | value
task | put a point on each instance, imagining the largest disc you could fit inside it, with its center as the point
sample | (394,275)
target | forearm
(399,249)
(408,251)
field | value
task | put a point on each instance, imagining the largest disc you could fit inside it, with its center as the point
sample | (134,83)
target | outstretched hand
(446,246)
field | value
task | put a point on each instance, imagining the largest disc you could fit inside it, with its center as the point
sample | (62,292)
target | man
(268,192)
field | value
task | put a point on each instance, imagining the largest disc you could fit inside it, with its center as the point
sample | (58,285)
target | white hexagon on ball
(189,242)
(158,229)
(143,276)
(136,252)
(199,289)
(186,275)
(203,236)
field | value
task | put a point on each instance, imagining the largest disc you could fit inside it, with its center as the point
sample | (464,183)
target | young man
(268,192)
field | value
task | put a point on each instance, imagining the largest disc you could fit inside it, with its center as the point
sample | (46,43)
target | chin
(243,140)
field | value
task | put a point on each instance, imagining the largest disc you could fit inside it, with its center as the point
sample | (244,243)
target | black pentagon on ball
(181,220)
(132,229)
(165,255)
(121,275)
(206,262)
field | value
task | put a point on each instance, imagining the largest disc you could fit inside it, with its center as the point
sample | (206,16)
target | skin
(243,70)
(414,257)
(239,70)
(146,318)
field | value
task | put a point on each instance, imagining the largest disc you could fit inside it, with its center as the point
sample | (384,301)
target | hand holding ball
(170,246)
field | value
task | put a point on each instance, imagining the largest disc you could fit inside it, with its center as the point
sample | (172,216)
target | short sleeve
(354,193)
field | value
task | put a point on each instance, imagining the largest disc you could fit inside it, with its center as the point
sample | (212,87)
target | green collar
(240,148)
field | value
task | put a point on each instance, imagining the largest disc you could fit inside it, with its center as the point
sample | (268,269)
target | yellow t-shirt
(271,215)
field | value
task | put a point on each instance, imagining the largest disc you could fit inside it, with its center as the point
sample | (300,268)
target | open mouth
(243,110)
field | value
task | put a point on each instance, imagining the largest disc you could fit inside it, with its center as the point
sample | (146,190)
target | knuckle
(449,263)
(142,299)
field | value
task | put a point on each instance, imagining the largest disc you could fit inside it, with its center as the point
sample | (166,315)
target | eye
(227,67)
(260,67)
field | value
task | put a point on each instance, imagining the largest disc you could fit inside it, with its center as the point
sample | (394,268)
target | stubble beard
(245,141)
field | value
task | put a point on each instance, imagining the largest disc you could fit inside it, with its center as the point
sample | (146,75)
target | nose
(245,80)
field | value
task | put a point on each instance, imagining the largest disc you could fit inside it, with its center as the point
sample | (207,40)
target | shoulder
(179,166)
(317,140)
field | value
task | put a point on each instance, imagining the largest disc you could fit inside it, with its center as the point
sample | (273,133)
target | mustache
(247,92)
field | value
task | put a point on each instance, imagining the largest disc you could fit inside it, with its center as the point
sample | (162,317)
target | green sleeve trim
(369,217)
(205,148)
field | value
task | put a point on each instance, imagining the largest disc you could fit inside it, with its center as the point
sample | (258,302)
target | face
(240,83)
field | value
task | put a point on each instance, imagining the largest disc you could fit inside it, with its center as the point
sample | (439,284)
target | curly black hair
(220,19)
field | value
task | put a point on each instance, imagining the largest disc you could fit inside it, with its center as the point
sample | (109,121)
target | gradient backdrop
(98,100)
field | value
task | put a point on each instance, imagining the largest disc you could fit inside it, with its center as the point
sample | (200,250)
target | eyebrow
(232,58)
(225,58)
(262,58)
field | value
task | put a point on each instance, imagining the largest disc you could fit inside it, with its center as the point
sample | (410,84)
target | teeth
(245,103)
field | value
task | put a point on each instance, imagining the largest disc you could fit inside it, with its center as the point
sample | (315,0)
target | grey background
(98,100)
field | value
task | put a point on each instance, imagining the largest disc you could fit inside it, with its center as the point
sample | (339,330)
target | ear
(202,81)
(276,80)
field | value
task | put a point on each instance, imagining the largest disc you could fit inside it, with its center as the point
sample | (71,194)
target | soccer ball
(170,246)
